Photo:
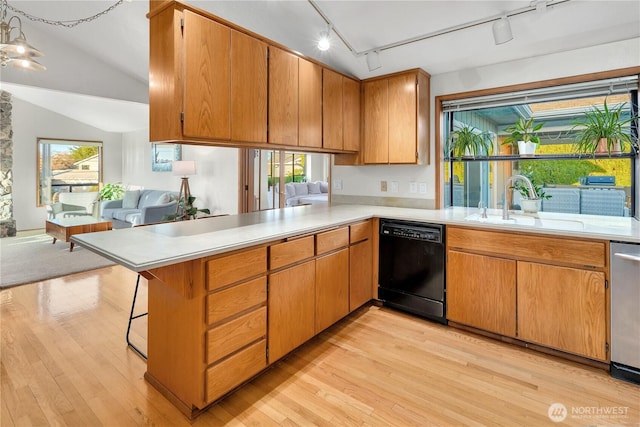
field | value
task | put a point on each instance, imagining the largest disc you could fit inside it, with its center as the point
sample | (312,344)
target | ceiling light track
(535,6)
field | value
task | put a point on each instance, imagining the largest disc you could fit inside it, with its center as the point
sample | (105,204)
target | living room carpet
(30,257)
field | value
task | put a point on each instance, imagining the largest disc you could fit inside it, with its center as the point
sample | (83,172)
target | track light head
(373,60)
(502,30)
(324,43)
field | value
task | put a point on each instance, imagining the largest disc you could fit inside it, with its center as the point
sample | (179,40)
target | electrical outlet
(423,187)
(395,187)
(383,185)
(413,187)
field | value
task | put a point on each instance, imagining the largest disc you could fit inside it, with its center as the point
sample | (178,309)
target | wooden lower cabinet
(233,371)
(291,308)
(481,292)
(563,308)
(360,274)
(332,288)
(538,289)
(216,322)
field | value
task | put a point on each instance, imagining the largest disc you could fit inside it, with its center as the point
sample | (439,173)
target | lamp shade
(184,167)
(502,30)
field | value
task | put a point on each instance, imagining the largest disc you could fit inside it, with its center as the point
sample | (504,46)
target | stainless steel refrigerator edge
(625,311)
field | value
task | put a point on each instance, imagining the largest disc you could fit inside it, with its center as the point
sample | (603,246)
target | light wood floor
(64,361)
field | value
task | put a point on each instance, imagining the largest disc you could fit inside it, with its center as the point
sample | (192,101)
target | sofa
(139,207)
(74,204)
(304,193)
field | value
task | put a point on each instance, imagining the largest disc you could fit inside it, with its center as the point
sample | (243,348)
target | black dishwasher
(411,269)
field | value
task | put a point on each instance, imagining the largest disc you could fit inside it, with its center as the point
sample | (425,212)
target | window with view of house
(569,179)
(67,166)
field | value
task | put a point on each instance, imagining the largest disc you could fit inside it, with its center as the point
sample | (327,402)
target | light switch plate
(395,187)
(383,185)
(413,187)
(337,184)
(423,188)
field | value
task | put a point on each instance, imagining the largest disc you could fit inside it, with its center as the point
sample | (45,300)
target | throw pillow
(314,187)
(301,188)
(289,191)
(164,199)
(324,187)
(130,200)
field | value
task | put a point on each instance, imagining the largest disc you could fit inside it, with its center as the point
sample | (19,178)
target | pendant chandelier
(14,49)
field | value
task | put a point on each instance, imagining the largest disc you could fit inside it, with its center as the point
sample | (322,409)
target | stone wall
(7,222)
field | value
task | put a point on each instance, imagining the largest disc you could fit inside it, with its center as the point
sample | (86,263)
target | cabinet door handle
(627,257)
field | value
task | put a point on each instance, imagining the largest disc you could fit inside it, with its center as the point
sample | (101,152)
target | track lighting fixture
(502,30)
(324,43)
(373,60)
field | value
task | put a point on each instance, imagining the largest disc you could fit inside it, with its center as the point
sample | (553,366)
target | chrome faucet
(532,192)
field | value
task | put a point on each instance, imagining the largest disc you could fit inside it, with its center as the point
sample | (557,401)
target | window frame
(71,142)
(441,126)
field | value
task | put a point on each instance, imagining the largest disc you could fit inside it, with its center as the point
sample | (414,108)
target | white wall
(215,184)
(29,123)
(365,180)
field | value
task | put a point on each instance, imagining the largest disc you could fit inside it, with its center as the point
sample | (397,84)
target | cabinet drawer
(234,268)
(360,231)
(530,247)
(290,252)
(228,302)
(331,240)
(231,372)
(233,335)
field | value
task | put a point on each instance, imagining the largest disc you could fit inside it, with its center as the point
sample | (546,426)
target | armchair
(74,204)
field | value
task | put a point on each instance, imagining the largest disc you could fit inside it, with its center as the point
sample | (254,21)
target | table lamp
(184,168)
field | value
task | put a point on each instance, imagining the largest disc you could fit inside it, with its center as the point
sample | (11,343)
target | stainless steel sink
(529,221)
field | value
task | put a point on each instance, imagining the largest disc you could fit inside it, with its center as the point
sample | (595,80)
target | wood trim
(581,78)
(528,345)
(399,73)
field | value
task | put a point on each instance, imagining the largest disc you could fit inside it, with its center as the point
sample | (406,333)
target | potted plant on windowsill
(530,205)
(602,131)
(524,133)
(467,141)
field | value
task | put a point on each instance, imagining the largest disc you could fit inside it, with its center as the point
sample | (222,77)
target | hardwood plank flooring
(64,361)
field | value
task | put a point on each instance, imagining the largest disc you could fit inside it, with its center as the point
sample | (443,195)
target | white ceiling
(120,38)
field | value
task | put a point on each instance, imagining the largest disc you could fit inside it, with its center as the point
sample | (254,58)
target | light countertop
(144,248)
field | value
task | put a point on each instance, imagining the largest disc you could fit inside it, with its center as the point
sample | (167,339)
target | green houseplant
(527,204)
(468,142)
(186,210)
(524,133)
(112,192)
(602,131)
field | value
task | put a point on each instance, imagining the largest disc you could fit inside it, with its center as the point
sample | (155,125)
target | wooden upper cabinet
(351,114)
(396,119)
(248,88)
(309,104)
(376,121)
(402,119)
(283,97)
(207,78)
(332,110)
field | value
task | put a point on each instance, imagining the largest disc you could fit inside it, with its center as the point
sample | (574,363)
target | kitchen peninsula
(212,323)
